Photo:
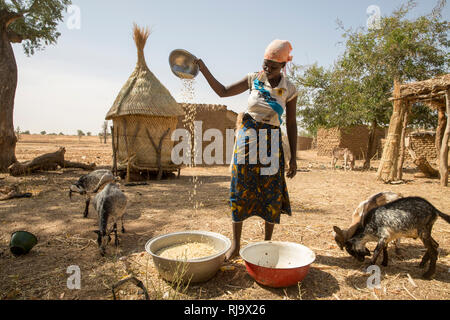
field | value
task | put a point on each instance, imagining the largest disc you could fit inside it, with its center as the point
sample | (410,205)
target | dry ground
(320,198)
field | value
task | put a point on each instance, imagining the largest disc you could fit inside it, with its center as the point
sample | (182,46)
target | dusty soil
(320,198)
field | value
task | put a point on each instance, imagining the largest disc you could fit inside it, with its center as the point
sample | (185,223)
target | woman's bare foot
(232,253)
(236,243)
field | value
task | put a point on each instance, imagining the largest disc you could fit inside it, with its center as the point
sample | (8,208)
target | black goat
(410,217)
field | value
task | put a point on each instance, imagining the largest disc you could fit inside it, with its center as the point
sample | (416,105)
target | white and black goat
(411,217)
(110,205)
(91,183)
(376,200)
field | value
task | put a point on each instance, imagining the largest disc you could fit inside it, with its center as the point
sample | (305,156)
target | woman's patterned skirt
(258,185)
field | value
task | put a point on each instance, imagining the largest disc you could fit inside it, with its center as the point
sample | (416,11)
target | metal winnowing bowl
(182,63)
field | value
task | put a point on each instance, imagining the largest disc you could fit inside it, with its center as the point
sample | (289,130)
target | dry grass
(320,198)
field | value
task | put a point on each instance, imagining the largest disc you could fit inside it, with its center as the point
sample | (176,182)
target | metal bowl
(182,63)
(191,270)
(277,264)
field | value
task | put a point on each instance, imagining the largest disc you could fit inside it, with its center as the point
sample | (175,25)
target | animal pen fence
(435,93)
(144,116)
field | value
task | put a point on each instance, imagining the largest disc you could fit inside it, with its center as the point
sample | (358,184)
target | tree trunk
(372,133)
(105,131)
(114,150)
(44,162)
(443,160)
(387,170)
(8,85)
(48,161)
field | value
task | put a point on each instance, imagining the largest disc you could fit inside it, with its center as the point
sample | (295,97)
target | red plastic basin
(277,264)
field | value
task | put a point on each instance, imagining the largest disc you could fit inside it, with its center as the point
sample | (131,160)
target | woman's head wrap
(279,51)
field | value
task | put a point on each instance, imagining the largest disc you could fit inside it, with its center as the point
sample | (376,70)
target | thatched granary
(436,94)
(212,116)
(144,116)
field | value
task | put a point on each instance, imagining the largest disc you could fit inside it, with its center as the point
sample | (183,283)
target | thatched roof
(143,93)
(431,92)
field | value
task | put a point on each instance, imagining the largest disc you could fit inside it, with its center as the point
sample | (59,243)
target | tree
(105,131)
(80,133)
(18,133)
(34,24)
(357,88)
(401,50)
(43,133)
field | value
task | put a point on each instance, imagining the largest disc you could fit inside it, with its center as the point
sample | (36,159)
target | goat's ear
(339,232)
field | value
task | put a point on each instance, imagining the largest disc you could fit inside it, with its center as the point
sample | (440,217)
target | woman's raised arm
(222,91)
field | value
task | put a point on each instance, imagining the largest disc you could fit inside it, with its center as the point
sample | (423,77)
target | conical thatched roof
(143,93)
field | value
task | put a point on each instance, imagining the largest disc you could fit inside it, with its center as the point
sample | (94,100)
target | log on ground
(45,162)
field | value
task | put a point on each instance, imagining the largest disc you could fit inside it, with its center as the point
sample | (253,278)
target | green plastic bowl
(22,242)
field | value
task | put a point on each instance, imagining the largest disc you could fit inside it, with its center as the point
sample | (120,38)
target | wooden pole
(127,179)
(158,149)
(402,142)
(443,166)
(114,168)
(442,123)
(387,171)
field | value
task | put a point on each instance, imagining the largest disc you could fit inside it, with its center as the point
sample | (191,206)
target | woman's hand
(292,169)
(201,65)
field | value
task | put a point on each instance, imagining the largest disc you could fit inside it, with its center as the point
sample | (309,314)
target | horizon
(71,86)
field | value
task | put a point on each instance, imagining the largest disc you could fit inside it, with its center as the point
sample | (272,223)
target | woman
(254,193)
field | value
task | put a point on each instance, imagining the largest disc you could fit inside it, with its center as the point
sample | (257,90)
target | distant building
(354,138)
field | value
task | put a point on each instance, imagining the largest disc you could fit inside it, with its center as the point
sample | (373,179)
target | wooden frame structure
(435,93)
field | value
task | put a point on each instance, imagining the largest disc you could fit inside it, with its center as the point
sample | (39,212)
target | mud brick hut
(354,138)
(435,93)
(423,145)
(304,143)
(212,117)
(144,116)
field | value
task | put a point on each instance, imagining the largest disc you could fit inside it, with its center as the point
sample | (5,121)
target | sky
(71,86)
